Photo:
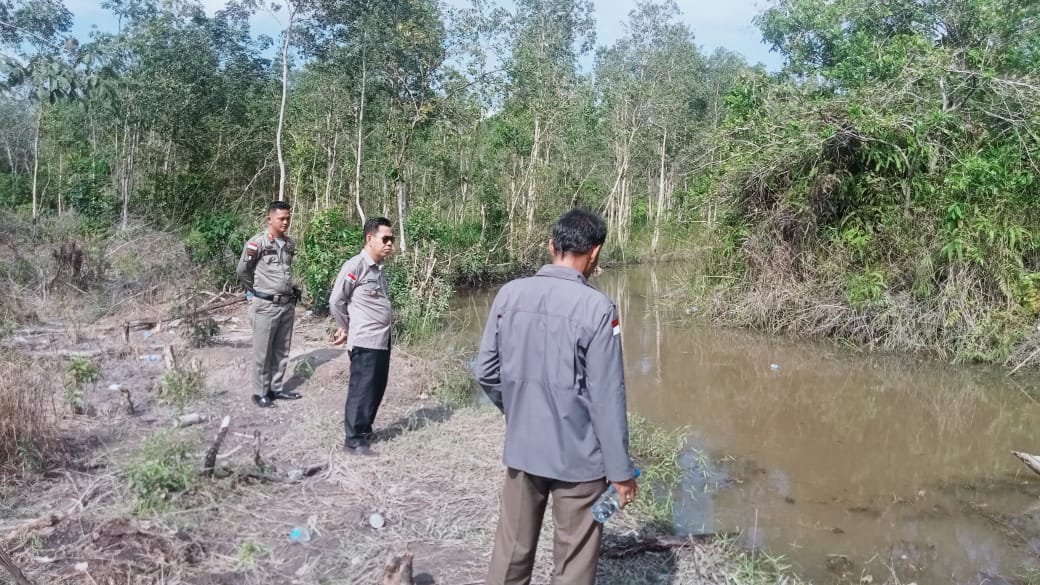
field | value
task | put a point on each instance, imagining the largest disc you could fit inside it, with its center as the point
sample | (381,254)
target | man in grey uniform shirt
(265,270)
(360,303)
(550,359)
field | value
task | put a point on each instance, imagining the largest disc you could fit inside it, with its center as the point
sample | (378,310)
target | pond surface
(844,462)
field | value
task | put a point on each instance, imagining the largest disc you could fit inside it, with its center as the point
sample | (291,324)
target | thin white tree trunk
(36,164)
(281,106)
(360,138)
(660,194)
(532,192)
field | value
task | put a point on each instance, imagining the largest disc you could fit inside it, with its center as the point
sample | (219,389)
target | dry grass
(440,484)
(28,433)
(786,291)
(60,269)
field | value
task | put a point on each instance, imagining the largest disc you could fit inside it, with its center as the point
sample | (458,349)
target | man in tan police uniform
(265,270)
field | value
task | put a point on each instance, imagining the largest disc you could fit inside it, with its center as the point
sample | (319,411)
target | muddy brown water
(846,463)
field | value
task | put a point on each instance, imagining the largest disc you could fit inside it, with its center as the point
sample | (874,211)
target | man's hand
(627,491)
(340,337)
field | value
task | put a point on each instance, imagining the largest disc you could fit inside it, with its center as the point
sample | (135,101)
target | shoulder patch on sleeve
(351,276)
(615,325)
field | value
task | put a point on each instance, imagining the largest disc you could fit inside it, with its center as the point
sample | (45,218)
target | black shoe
(264,401)
(360,450)
(285,395)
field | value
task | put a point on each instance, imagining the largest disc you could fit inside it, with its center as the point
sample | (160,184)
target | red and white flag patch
(251,249)
(351,276)
(616,326)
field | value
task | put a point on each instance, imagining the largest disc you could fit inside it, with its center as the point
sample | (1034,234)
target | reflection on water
(899,464)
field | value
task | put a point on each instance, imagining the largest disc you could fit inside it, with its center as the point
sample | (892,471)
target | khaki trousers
(272,336)
(577,536)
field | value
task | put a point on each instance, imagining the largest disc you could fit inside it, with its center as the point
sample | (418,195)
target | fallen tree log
(630,547)
(158,322)
(1031,461)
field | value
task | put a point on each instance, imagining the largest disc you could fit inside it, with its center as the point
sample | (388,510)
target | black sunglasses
(388,239)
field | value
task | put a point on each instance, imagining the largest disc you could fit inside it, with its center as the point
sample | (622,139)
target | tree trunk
(660,195)
(360,137)
(61,183)
(332,154)
(532,191)
(281,106)
(36,163)
(401,187)
(131,140)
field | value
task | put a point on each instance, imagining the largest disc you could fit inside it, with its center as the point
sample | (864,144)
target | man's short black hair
(579,231)
(372,224)
(276,205)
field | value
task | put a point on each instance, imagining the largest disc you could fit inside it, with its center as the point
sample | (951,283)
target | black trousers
(369,369)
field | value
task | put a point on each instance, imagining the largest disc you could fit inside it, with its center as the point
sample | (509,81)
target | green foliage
(29,455)
(419,295)
(454,386)
(215,243)
(912,201)
(180,386)
(81,373)
(162,468)
(656,452)
(329,241)
(865,289)
(249,552)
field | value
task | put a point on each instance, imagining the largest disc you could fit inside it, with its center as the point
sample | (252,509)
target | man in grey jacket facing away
(550,359)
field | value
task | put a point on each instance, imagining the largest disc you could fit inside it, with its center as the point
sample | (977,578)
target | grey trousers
(272,336)
(576,540)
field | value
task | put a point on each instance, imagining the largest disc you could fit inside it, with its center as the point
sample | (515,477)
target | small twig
(1024,362)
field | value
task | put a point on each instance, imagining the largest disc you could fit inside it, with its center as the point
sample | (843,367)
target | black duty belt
(276,299)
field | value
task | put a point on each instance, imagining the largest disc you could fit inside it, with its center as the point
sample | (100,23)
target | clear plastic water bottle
(607,504)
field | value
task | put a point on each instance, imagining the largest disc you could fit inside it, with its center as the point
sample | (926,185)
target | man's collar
(564,272)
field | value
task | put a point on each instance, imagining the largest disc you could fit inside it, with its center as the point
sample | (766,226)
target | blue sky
(715,23)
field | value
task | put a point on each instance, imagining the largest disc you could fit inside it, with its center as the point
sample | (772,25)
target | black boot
(265,401)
